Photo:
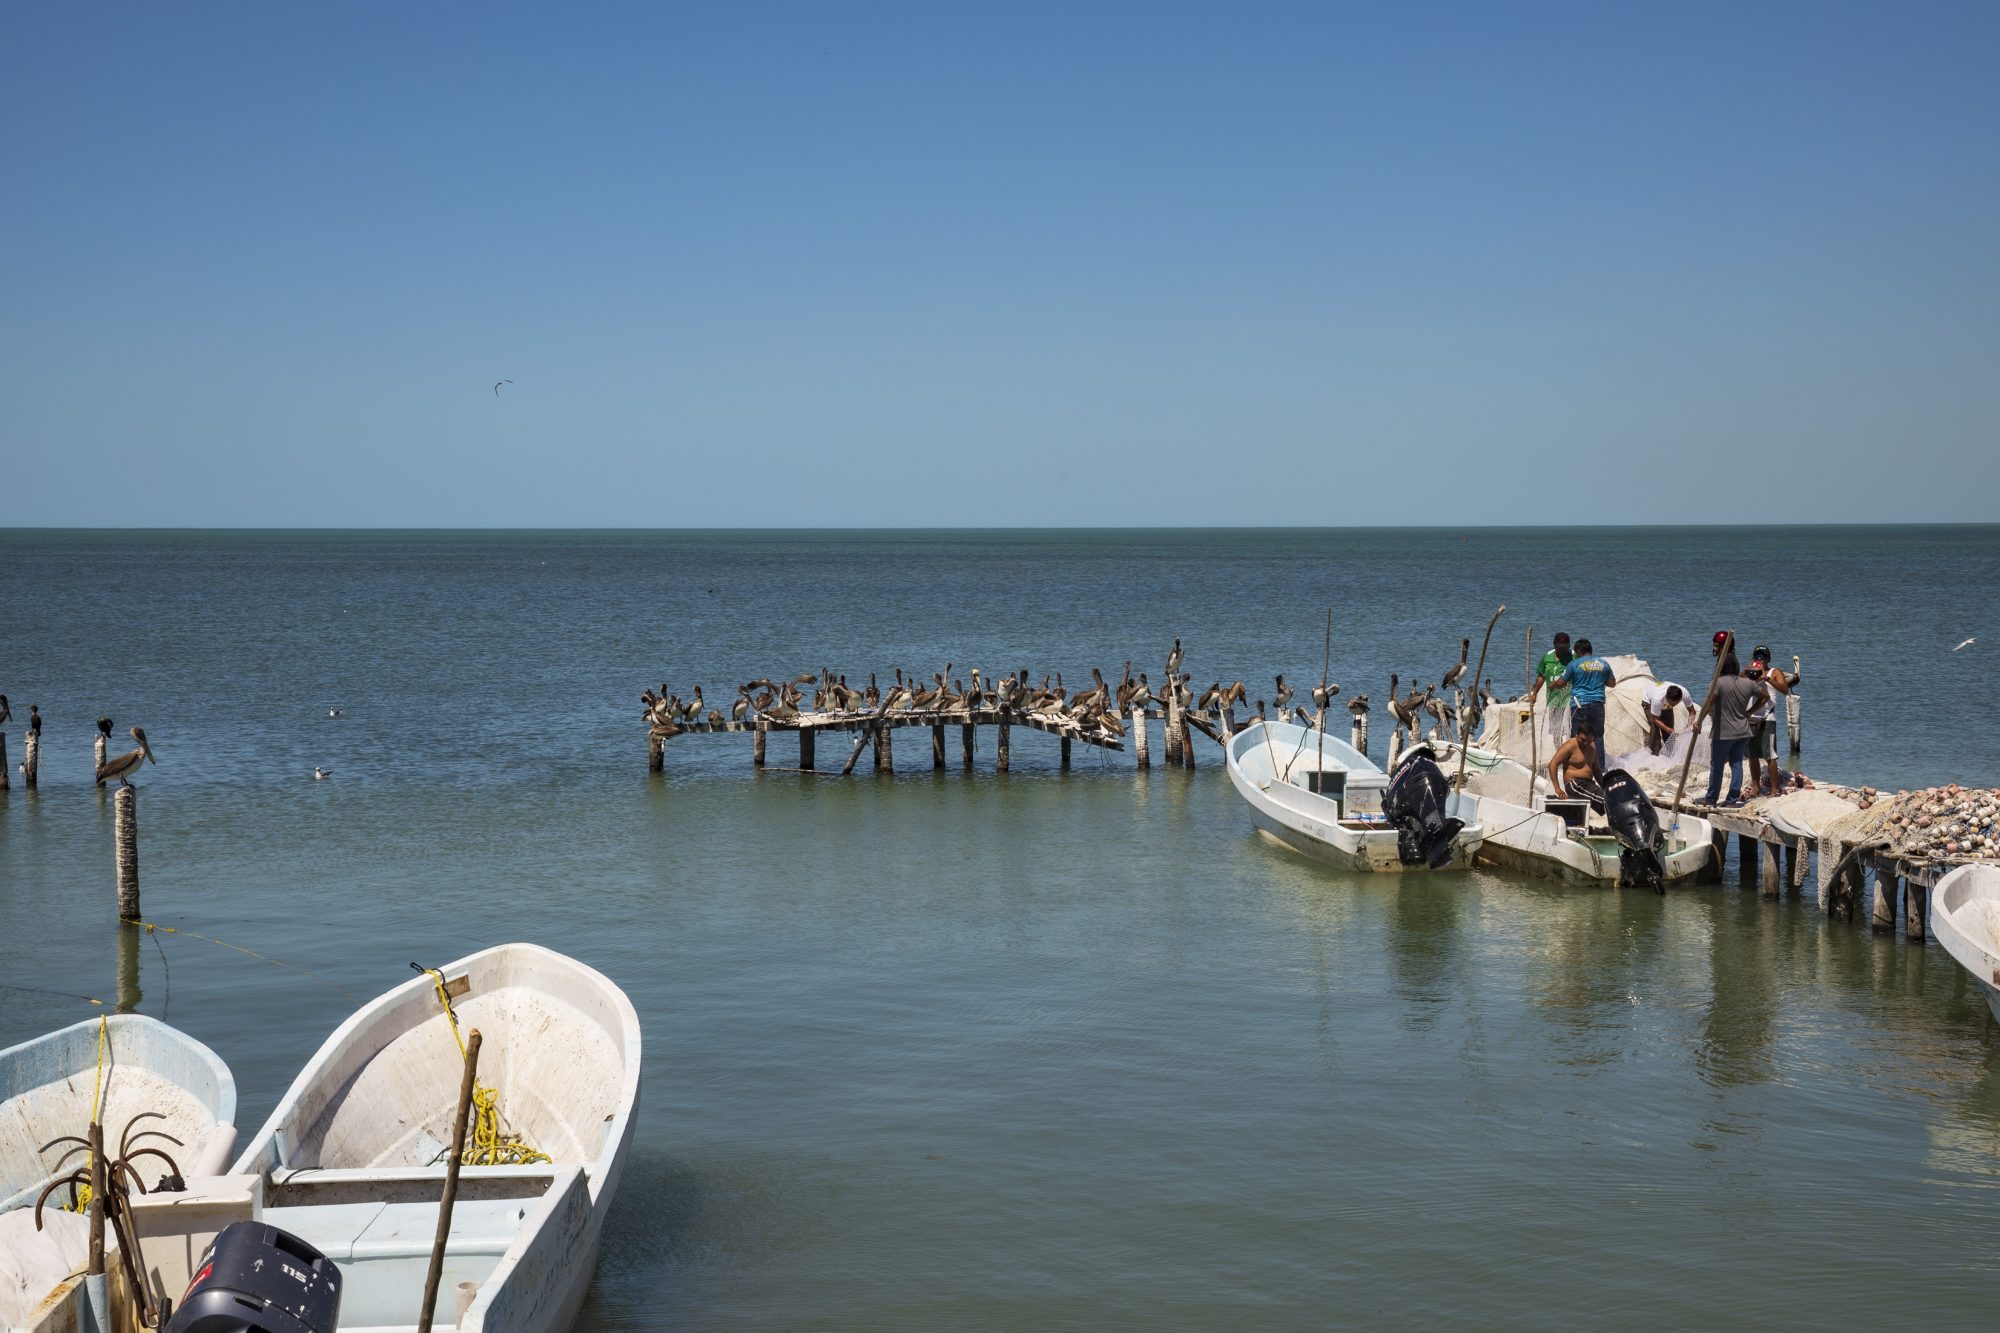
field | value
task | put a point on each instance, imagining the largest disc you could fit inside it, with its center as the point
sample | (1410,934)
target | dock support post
(937,746)
(1883,919)
(1139,754)
(1187,741)
(3,761)
(656,753)
(31,759)
(1768,881)
(1746,858)
(1065,752)
(1792,876)
(1174,728)
(806,749)
(1718,852)
(125,826)
(757,743)
(885,758)
(965,746)
(1848,888)
(1916,911)
(1358,733)
(1003,744)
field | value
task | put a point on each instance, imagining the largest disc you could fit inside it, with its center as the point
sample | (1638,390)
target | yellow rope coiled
(489,1147)
(83,1194)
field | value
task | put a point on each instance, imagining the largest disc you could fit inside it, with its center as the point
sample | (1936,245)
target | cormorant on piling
(122,767)
(34,719)
(104,726)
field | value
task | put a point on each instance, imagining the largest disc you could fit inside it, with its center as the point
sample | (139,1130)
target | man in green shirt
(1549,673)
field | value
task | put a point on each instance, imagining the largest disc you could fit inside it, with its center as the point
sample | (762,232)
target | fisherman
(1588,676)
(1730,703)
(1569,765)
(1662,705)
(1771,682)
(1549,672)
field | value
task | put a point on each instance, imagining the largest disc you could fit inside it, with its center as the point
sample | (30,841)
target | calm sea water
(1053,1049)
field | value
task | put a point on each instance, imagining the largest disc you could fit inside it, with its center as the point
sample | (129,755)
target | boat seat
(347,1232)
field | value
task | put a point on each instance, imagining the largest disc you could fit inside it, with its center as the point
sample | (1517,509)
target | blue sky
(842,265)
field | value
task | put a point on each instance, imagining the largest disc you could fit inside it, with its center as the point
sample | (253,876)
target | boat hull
(1965,914)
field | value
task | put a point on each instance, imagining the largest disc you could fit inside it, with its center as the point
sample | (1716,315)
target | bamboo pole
(1464,747)
(1534,732)
(451,1168)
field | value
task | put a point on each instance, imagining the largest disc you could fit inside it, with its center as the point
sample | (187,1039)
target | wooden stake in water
(125,831)
(3,761)
(451,1166)
(31,758)
(1534,732)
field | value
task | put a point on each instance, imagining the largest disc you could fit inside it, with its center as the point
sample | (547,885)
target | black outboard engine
(1637,824)
(1415,803)
(258,1279)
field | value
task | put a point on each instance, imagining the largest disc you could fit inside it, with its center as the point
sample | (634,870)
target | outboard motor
(258,1279)
(1637,825)
(1415,803)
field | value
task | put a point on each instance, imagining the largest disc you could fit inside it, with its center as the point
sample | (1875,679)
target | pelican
(1451,677)
(1283,697)
(320,774)
(741,708)
(121,767)
(1322,695)
(1174,658)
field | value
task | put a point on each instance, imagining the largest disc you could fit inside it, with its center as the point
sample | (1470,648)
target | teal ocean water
(1050,1049)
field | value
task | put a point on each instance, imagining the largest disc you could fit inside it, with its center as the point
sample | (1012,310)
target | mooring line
(150,927)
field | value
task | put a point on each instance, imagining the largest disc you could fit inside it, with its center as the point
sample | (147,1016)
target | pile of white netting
(1510,728)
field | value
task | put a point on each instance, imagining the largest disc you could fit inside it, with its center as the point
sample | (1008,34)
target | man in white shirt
(1662,718)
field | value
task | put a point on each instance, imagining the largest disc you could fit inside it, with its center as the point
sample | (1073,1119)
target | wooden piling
(125,825)
(1176,733)
(965,746)
(1769,881)
(757,743)
(656,752)
(806,749)
(1142,759)
(885,759)
(1001,745)
(937,746)
(3,761)
(1792,877)
(1718,852)
(1065,752)
(1746,858)
(31,759)
(1849,887)
(1883,919)
(1357,735)
(1916,911)
(129,994)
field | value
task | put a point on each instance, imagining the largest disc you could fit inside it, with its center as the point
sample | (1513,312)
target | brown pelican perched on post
(1452,676)
(122,767)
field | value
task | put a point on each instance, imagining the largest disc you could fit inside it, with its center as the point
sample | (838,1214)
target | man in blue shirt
(1588,676)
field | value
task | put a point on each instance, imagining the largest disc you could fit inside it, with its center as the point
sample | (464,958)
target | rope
(489,1147)
(83,1193)
(150,927)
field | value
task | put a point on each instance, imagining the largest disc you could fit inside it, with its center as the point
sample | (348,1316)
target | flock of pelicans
(1096,711)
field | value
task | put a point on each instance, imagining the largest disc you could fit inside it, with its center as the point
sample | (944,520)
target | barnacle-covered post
(125,832)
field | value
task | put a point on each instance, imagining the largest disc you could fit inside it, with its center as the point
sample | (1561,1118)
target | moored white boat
(1522,836)
(1965,913)
(351,1161)
(1321,796)
(149,1081)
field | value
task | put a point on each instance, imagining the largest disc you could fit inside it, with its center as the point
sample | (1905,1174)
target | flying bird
(1967,644)
(497,384)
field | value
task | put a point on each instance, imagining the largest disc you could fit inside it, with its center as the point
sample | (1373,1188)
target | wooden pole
(1728,647)
(937,745)
(1478,675)
(965,745)
(806,749)
(885,758)
(1718,852)
(1002,745)
(1746,857)
(3,761)
(1175,731)
(1187,741)
(1916,911)
(1357,735)
(1883,919)
(1792,712)
(31,759)
(656,752)
(757,743)
(94,1263)
(98,752)
(125,832)
(451,1168)
(1065,752)
(129,993)
(1139,738)
(1769,880)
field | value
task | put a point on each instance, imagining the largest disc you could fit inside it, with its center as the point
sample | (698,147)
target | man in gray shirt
(1731,703)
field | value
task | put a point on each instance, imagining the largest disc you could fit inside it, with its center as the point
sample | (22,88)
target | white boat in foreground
(351,1161)
(1522,835)
(161,1090)
(1321,796)
(1965,913)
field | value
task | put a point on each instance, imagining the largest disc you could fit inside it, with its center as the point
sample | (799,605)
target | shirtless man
(1570,763)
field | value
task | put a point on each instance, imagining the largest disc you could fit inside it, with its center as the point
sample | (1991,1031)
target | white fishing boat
(1965,913)
(1572,840)
(352,1159)
(156,1089)
(1321,796)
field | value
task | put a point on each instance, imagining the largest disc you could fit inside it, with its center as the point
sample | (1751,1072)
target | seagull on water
(319,773)
(497,384)
(1967,644)
(333,712)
